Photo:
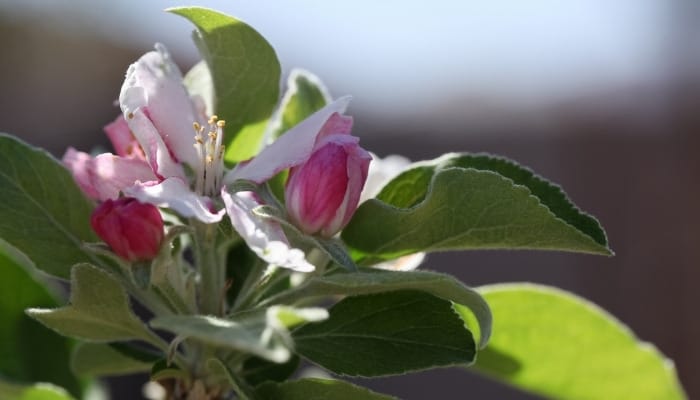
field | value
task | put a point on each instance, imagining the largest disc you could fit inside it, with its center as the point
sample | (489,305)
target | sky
(397,55)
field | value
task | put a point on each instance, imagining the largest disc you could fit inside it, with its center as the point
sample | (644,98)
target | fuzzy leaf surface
(263,334)
(43,213)
(464,202)
(101,359)
(99,309)
(370,282)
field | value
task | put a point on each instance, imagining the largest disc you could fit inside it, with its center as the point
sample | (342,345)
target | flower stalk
(212,268)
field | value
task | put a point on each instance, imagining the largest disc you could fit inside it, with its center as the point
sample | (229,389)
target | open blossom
(163,132)
(323,192)
(133,230)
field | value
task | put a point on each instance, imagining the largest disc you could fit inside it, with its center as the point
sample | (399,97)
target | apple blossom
(163,130)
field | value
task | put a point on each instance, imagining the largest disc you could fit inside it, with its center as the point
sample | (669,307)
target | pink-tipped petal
(357,165)
(165,98)
(175,194)
(157,152)
(123,141)
(79,164)
(292,148)
(264,237)
(104,176)
(336,124)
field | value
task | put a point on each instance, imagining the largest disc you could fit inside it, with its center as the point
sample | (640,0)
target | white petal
(174,193)
(264,237)
(155,149)
(292,148)
(165,98)
(405,263)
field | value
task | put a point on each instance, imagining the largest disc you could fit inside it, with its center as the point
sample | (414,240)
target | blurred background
(601,97)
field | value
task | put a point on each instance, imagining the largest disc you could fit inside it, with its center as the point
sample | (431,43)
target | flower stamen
(211,156)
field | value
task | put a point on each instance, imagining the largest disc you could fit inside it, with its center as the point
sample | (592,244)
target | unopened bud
(132,229)
(322,193)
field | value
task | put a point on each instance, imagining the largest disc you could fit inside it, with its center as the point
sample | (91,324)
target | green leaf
(257,370)
(387,334)
(370,282)
(24,343)
(263,334)
(99,310)
(316,389)
(305,95)
(462,202)
(43,213)
(100,359)
(246,76)
(247,142)
(559,345)
(37,391)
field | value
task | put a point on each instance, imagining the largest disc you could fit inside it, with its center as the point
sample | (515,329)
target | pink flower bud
(132,229)
(322,193)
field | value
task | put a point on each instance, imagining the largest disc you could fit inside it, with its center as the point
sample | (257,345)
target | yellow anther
(213,119)
(221,123)
(196,126)
(210,159)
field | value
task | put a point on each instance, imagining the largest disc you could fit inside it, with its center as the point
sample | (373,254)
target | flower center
(210,151)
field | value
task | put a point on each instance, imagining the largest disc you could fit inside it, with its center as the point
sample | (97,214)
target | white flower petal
(290,149)
(166,101)
(264,237)
(174,193)
(405,263)
(154,147)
